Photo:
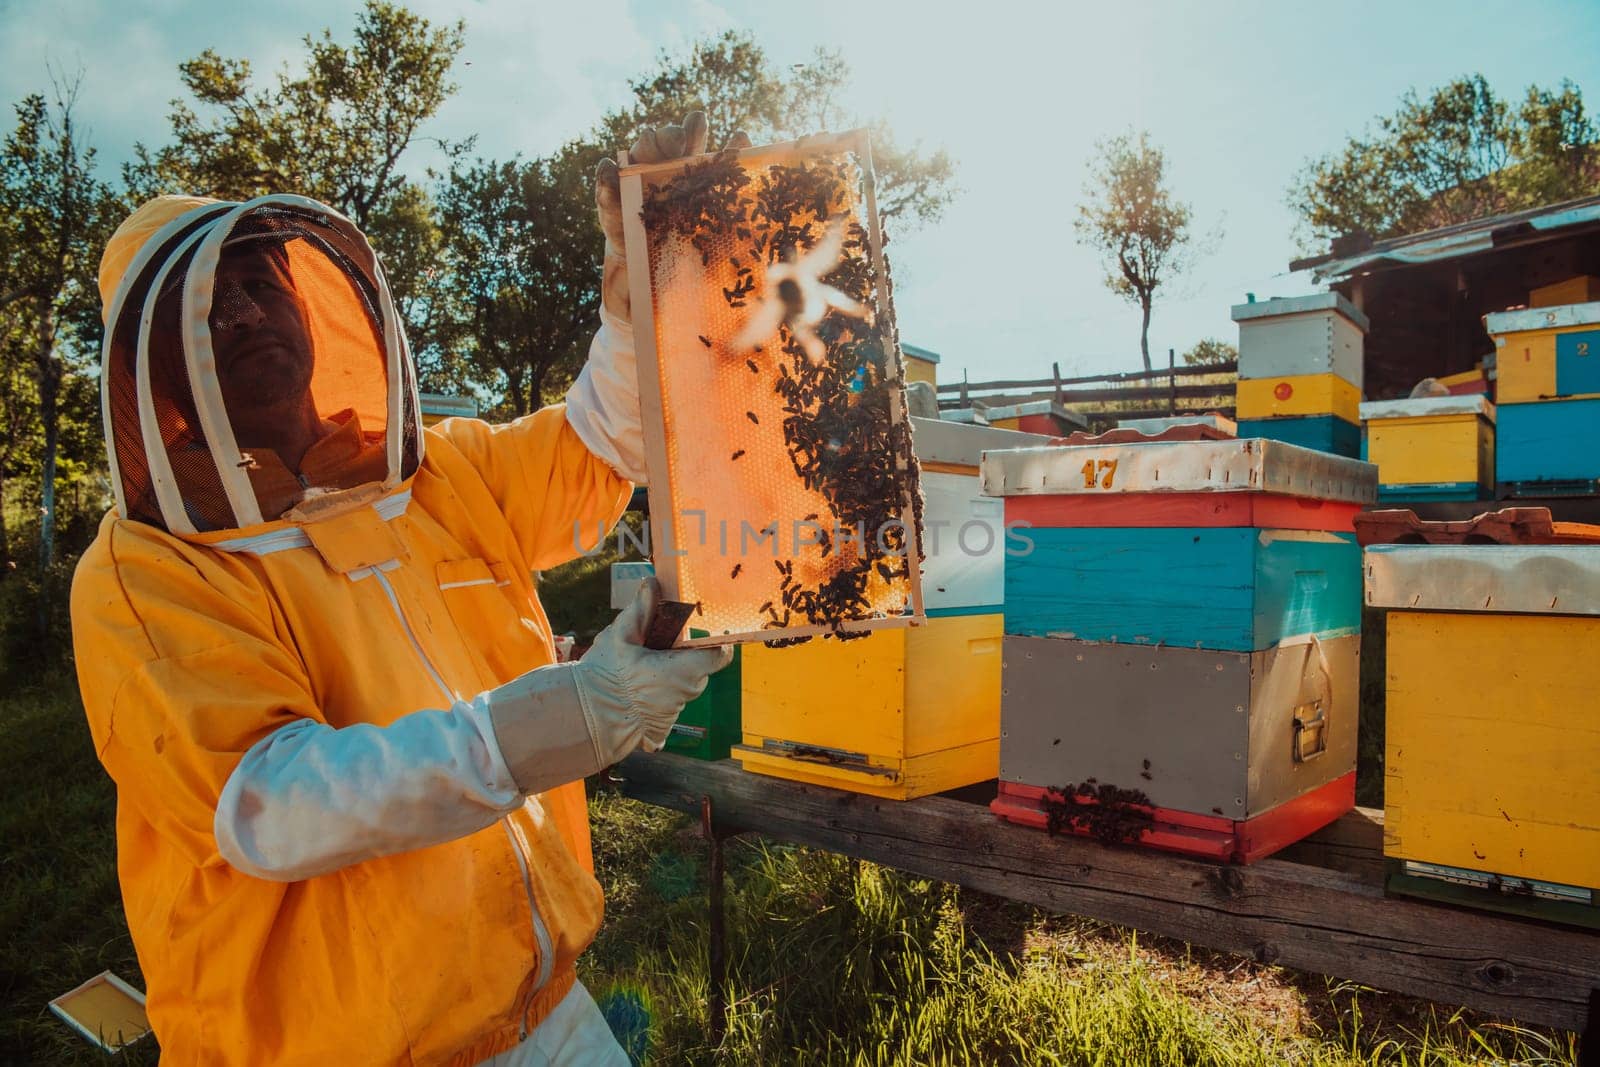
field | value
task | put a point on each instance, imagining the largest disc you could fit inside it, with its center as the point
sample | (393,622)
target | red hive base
(1266,510)
(1208,836)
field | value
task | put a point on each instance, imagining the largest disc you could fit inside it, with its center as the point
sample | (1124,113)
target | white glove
(561,723)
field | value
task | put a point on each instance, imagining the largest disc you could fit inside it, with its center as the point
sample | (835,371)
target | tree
(336,131)
(1133,221)
(1210,352)
(524,254)
(734,82)
(55,216)
(1461,153)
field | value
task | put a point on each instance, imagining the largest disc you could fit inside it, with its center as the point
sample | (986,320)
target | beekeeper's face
(258,329)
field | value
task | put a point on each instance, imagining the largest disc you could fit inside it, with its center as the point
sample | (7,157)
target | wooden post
(1172,382)
(965,401)
(1055,374)
(717,979)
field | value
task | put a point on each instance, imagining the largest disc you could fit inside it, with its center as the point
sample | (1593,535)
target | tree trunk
(1144,332)
(49,371)
(5,533)
(519,397)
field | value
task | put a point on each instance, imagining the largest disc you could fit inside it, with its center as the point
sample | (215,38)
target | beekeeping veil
(290,291)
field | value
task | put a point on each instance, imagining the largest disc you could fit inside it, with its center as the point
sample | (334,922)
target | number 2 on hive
(1096,467)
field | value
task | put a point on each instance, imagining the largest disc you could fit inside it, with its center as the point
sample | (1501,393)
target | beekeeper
(350,808)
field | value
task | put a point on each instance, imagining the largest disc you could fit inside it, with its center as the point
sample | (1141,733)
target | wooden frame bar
(1318,906)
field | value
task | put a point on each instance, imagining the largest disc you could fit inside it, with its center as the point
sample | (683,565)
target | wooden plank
(1327,921)
(1129,376)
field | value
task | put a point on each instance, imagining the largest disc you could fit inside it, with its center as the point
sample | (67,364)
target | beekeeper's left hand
(655,145)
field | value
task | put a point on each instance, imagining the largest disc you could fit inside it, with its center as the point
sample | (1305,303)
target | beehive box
(776,437)
(1325,433)
(1431,448)
(1581,289)
(1181,659)
(898,714)
(1547,449)
(1035,416)
(1547,353)
(710,724)
(906,713)
(1288,337)
(1491,791)
(1298,395)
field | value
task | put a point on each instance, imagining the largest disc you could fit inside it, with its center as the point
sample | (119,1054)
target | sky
(1239,95)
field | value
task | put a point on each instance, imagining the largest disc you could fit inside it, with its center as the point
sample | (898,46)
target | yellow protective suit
(364,603)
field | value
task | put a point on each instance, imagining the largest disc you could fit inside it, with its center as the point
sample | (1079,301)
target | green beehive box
(710,722)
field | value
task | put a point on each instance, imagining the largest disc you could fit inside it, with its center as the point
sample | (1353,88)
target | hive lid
(1300,305)
(1422,406)
(1552,318)
(963,444)
(1034,407)
(1154,426)
(1527,579)
(1240,466)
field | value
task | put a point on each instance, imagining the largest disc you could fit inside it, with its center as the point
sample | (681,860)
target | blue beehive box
(1325,433)
(1548,448)
(1238,589)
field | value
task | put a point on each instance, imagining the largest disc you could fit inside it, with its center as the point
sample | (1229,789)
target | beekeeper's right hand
(561,723)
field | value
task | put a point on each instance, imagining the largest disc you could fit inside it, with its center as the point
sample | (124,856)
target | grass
(831,961)
(60,909)
(840,962)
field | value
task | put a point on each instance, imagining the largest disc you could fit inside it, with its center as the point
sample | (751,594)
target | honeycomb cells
(751,543)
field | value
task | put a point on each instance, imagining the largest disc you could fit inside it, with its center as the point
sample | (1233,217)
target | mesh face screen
(295,309)
(783,493)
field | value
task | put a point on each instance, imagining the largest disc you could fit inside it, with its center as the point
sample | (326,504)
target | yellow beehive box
(1298,394)
(1491,790)
(1546,353)
(1431,448)
(897,714)
(1578,290)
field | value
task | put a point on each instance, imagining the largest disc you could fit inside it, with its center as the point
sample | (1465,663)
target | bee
(737,454)
(704,339)
(754,368)
(752,417)
(737,567)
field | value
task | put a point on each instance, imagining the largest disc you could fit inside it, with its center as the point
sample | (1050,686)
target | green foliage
(61,918)
(1132,220)
(1209,352)
(523,255)
(334,131)
(736,84)
(55,215)
(1459,153)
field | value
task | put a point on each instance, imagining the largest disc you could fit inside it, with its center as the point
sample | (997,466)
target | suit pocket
(507,636)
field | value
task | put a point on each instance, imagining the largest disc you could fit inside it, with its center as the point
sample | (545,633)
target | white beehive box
(964,536)
(1287,336)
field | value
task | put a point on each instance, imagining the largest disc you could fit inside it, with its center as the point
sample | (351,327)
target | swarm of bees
(1111,815)
(832,361)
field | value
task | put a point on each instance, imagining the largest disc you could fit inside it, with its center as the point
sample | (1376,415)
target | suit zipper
(519,847)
